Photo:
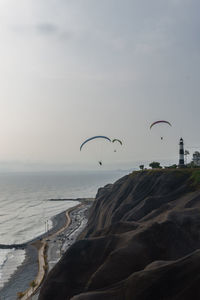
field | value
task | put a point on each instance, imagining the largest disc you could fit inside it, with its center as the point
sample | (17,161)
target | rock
(142,241)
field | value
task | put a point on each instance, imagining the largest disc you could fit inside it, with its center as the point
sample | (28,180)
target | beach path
(42,260)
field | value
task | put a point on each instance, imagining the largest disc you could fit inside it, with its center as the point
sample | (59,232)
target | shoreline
(41,246)
(35,252)
(58,221)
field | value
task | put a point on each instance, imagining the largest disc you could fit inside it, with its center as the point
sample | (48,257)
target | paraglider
(158,122)
(98,146)
(117,141)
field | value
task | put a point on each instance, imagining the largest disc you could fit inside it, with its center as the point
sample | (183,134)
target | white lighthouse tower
(181,154)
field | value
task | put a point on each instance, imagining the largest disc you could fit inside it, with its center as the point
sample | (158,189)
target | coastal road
(60,242)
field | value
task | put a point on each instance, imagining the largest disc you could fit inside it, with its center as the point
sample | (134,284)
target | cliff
(142,241)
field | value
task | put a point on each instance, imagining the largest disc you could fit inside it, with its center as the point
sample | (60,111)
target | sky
(72,69)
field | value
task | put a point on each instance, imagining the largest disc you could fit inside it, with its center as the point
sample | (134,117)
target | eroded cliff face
(142,241)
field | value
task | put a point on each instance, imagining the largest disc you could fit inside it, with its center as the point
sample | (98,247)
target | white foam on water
(9,261)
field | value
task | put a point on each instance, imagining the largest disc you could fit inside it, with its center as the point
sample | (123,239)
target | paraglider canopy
(97,144)
(94,137)
(117,140)
(161,121)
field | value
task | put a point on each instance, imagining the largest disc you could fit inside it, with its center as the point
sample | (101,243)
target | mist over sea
(25,209)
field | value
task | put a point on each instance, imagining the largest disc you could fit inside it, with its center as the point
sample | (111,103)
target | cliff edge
(142,242)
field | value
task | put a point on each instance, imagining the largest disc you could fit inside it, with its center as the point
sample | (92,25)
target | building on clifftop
(196,158)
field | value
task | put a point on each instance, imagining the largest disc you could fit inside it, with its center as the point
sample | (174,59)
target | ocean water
(25,211)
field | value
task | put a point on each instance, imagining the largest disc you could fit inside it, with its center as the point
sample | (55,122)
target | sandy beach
(43,252)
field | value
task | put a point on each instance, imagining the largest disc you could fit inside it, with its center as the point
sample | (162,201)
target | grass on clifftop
(195,177)
(193,174)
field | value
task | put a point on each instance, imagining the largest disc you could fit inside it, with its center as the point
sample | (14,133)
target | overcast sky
(71,69)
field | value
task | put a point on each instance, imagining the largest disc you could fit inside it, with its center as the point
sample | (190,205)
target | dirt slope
(142,241)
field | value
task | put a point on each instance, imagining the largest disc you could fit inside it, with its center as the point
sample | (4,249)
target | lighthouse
(181,154)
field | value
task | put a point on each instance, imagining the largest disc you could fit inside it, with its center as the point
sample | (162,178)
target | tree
(141,167)
(33,284)
(155,165)
(20,295)
(191,165)
(171,167)
(186,153)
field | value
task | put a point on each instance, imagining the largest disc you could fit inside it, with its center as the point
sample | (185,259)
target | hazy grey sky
(71,69)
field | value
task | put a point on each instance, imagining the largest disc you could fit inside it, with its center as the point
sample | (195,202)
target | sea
(25,211)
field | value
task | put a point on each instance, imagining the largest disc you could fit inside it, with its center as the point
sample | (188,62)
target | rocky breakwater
(142,241)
